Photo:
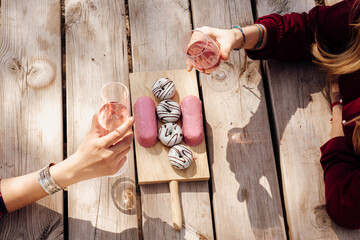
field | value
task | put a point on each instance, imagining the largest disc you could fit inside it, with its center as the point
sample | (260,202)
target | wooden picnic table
(263,136)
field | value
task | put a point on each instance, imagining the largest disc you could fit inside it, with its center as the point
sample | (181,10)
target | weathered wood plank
(244,177)
(31,109)
(302,118)
(156,30)
(96,53)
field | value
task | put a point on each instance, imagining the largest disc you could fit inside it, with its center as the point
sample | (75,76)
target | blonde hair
(343,63)
(356,134)
(346,62)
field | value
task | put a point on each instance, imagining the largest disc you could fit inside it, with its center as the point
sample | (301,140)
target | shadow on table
(32,222)
(123,195)
(159,228)
(20,225)
(96,233)
(163,230)
(256,188)
(249,162)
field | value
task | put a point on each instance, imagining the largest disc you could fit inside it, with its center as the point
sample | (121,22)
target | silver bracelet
(46,181)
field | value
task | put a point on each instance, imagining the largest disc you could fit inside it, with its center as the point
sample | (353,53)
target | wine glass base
(220,75)
(223,78)
(123,193)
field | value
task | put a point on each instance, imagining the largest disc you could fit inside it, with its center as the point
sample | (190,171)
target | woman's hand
(225,38)
(97,155)
(229,39)
(100,155)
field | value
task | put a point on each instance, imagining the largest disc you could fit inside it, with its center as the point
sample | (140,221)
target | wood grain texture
(152,163)
(31,109)
(243,172)
(156,30)
(96,54)
(331,2)
(302,114)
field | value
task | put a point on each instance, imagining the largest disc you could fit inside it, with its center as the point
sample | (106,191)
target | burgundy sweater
(290,38)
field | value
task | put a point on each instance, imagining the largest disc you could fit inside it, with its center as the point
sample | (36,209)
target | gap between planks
(63,79)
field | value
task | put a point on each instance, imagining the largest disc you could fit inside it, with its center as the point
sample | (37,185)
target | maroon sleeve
(290,37)
(3,210)
(342,182)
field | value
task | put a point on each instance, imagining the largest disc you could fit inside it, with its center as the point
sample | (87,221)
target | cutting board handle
(175,205)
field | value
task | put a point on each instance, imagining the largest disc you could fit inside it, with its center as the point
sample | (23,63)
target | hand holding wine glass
(223,78)
(96,156)
(100,155)
(114,109)
(204,53)
(225,39)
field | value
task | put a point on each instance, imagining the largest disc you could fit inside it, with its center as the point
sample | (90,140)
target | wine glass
(114,110)
(123,193)
(204,54)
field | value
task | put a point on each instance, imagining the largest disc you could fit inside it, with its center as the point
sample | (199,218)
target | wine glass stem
(220,75)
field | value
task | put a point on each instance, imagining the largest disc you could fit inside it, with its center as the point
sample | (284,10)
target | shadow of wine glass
(123,194)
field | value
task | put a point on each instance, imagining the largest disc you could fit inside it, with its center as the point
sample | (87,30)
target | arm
(290,37)
(335,96)
(342,180)
(336,126)
(97,156)
(341,171)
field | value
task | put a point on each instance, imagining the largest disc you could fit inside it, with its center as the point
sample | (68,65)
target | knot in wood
(41,74)
(13,66)
(92,6)
(322,219)
(73,14)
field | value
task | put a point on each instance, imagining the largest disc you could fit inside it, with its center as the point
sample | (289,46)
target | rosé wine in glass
(203,53)
(112,115)
(205,56)
(114,109)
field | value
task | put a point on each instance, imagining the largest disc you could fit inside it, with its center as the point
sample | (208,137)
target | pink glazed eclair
(192,120)
(145,121)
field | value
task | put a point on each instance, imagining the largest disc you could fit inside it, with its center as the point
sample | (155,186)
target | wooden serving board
(152,163)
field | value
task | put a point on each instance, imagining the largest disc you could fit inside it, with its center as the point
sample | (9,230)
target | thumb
(224,54)
(225,51)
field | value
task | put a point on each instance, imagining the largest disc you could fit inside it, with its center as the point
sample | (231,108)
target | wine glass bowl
(114,110)
(114,104)
(203,53)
